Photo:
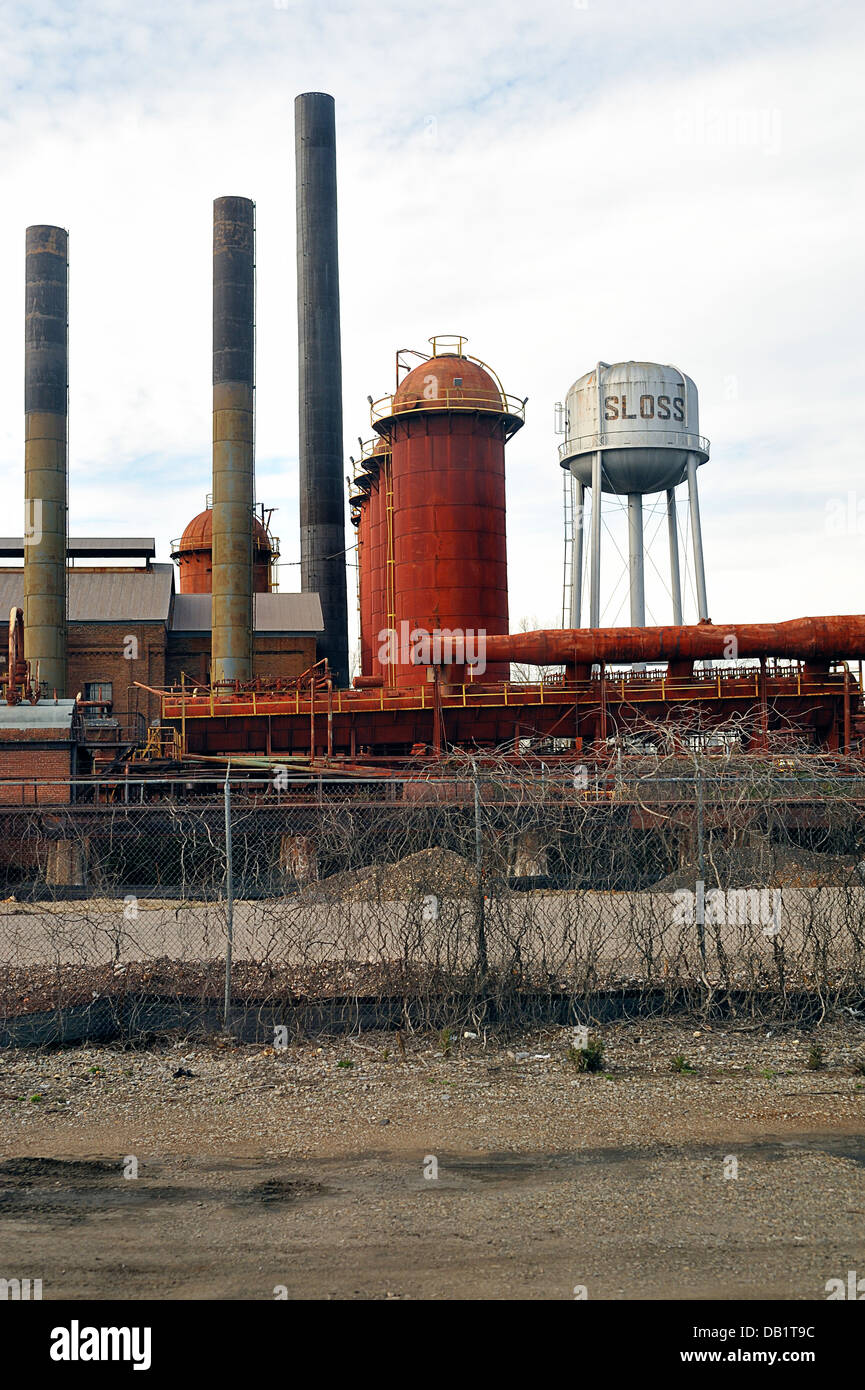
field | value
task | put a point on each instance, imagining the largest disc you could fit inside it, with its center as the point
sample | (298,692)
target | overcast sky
(560,181)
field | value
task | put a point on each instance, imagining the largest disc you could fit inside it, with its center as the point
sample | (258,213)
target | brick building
(127,624)
(37,753)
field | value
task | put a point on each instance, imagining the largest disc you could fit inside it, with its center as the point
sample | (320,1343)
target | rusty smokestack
(322,492)
(46,381)
(233,437)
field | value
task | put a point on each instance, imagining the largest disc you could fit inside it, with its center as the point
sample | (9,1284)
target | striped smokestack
(233,437)
(322,495)
(46,378)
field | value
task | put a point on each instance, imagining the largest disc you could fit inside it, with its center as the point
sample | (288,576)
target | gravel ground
(307,1168)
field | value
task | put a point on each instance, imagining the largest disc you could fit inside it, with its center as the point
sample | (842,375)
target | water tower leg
(577,568)
(696,531)
(635,560)
(595,589)
(675,576)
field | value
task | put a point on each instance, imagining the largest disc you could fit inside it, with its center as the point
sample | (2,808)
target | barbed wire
(672,870)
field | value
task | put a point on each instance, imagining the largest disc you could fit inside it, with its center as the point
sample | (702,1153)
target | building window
(98,690)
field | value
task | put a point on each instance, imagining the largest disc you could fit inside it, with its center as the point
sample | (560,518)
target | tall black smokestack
(322,497)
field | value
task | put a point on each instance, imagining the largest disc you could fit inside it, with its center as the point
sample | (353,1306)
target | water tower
(632,429)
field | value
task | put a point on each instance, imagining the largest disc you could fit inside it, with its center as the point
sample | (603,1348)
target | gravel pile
(435,872)
(766,865)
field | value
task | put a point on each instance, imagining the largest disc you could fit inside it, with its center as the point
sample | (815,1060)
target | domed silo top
(449,381)
(193,555)
(198,535)
(643,417)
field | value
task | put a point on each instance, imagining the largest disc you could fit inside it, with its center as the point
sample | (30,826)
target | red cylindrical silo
(448,424)
(365,586)
(359,504)
(378,464)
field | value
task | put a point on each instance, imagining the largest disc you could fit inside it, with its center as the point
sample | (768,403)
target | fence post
(229,898)
(700,901)
(482,932)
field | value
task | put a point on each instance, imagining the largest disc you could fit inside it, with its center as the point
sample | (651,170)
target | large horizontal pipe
(810,639)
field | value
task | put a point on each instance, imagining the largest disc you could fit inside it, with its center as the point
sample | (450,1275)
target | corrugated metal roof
(288,613)
(104,596)
(46,715)
(126,596)
(90,547)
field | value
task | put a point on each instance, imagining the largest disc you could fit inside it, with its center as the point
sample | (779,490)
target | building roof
(145,596)
(110,595)
(292,614)
(48,714)
(89,547)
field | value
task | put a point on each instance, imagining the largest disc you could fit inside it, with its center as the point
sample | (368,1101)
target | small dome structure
(193,555)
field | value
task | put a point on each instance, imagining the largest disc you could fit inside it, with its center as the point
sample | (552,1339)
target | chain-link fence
(469,894)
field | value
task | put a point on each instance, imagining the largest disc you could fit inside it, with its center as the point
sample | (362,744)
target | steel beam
(577,566)
(675,575)
(595,579)
(635,560)
(697,538)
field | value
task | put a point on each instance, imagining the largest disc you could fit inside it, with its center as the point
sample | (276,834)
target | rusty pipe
(809,639)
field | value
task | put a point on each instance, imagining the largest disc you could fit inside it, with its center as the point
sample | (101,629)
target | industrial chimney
(233,438)
(46,377)
(322,500)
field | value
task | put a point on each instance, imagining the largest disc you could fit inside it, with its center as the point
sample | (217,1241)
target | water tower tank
(646,419)
(633,429)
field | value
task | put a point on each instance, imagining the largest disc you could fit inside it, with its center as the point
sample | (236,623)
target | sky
(560,182)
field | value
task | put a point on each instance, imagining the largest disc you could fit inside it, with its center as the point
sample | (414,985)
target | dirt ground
(445,1168)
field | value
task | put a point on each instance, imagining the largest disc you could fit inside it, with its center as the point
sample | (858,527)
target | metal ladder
(569,508)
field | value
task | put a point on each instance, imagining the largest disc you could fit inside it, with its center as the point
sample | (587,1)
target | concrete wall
(614,937)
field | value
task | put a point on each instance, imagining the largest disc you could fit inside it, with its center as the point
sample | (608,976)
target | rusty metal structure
(233,436)
(18,682)
(46,377)
(427,503)
(437,505)
(561,717)
(817,641)
(193,554)
(369,498)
